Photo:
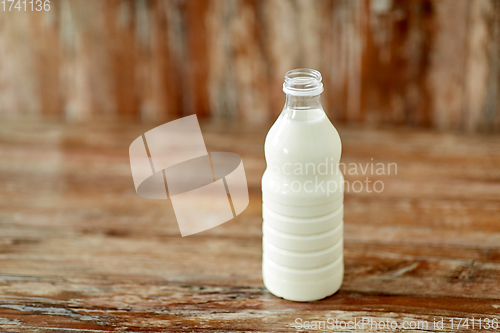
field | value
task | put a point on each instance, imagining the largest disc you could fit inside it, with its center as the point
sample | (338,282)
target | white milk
(302,190)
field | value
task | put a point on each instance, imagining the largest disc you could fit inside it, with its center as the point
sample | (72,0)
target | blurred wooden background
(432,63)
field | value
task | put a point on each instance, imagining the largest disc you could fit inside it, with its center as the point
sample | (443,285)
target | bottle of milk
(302,193)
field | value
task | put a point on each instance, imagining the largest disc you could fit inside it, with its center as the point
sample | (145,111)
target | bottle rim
(303,82)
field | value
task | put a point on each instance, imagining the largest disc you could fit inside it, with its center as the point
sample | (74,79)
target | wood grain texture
(431,63)
(80,251)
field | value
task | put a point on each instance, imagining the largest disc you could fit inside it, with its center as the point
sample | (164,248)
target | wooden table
(81,252)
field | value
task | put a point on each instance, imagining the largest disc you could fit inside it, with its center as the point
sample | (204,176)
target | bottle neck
(303,108)
(303,102)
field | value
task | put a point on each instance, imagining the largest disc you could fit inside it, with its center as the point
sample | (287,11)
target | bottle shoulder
(303,140)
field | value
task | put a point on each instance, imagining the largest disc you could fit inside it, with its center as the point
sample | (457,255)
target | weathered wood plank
(427,63)
(80,251)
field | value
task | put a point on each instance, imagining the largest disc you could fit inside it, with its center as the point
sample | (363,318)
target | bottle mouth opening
(303,82)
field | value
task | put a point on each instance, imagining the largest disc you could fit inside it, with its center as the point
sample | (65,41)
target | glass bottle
(302,193)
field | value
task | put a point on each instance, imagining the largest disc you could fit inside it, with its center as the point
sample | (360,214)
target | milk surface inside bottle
(302,193)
